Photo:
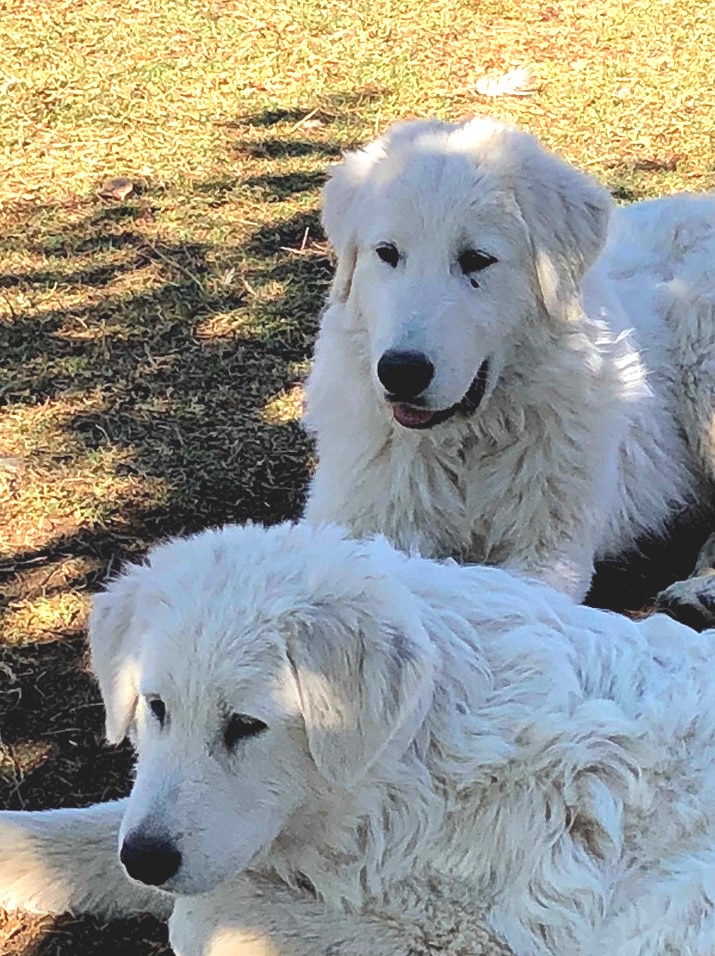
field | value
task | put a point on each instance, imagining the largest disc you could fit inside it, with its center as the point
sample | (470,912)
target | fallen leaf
(118,188)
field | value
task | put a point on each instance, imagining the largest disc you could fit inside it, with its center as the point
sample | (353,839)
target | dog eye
(158,709)
(240,726)
(388,253)
(472,260)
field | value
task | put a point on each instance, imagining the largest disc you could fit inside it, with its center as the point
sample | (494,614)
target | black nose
(405,374)
(149,861)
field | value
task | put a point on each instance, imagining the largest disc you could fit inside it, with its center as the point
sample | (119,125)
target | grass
(153,347)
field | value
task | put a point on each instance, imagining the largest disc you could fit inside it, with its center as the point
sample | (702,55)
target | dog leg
(692,601)
(256,917)
(65,861)
(571,574)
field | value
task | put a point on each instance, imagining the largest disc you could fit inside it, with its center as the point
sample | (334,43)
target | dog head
(447,238)
(258,672)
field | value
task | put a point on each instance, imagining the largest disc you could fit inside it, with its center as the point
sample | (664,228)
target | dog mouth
(411,415)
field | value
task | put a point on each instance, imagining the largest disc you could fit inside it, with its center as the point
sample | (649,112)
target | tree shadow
(286,184)
(629,584)
(283,133)
(182,405)
(327,110)
(67,936)
(280,148)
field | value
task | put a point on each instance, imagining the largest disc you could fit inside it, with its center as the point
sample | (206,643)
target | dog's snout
(404,373)
(149,860)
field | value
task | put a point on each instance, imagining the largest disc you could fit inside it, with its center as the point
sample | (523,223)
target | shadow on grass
(142,936)
(186,402)
(288,184)
(301,132)
(631,582)
(183,400)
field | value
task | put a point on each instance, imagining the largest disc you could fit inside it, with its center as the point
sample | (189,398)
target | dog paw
(692,602)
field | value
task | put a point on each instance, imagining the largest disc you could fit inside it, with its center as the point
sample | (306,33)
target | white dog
(509,370)
(387,748)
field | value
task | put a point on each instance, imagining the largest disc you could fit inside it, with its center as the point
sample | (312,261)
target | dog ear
(340,207)
(342,194)
(365,678)
(115,651)
(567,214)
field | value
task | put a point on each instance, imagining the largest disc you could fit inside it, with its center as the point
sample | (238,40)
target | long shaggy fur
(451,754)
(598,326)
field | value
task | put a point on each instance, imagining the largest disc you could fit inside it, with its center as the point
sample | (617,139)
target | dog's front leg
(570,572)
(65,861)
(692,601)
(257,917)
(567,568)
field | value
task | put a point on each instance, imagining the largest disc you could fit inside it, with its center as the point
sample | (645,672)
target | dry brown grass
(153,347)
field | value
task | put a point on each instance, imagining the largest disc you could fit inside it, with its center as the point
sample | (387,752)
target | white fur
(444,743)
(596,426)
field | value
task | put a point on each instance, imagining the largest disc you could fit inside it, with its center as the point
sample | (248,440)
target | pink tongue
(409,417)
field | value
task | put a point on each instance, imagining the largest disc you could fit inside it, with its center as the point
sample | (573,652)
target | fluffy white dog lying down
(343,750)
(510,370)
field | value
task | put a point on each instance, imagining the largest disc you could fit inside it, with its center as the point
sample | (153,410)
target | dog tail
(65,861)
